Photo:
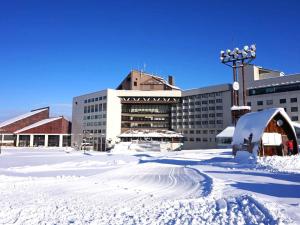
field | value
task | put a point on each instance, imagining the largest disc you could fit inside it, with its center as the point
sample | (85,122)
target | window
(219,100)
(260,102)
(283,100)
(198,131)
(219,107)
(294,109)
(269,102)
(248,103)
(293,100)
(85,101)
(294,118)
(198,139)
(191,139)
(134,83)
(85,109)
(191,132)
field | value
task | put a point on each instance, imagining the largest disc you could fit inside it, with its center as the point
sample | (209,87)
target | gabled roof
(226,133)
(18,118)
(37,124)
(256,123)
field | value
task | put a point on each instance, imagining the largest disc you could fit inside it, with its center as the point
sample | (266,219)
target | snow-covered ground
(50,186)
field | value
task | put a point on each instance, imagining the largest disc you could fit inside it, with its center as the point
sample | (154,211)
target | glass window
(283,100)
(269,102)
(294,109)
(260,102)
(293,100)
(294,118)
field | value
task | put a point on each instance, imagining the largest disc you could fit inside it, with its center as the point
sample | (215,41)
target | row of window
(202,109)
(90,124)
(204,102)
(192,123)
(94,117)
(200,140)
(94,131)
(197,116)
(270,102)
(202,96)
(94,108)
(201,131)
(275,89)
(95,99)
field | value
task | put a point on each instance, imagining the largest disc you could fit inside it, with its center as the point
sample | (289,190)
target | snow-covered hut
(224,138)
(265,132)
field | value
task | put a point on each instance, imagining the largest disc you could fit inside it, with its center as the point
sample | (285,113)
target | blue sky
(51,51)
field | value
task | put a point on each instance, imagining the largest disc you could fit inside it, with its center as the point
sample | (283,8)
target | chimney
(171,80)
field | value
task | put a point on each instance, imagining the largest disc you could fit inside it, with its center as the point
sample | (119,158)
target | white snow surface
(62,186)
(37,124)
(23,116)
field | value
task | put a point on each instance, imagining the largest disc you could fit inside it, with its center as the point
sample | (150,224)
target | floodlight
(228,51)
(246,48)
(253,54)
(222,58)
(244,53)
(253,47)
(236,50)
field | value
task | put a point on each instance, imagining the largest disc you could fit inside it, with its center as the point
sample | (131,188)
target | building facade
(36,129)
(269,88)
(146,102)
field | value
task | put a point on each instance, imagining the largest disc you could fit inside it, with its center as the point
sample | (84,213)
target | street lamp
(238,58)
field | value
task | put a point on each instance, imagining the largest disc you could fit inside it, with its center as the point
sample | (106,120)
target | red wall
(26,121)
(59,126)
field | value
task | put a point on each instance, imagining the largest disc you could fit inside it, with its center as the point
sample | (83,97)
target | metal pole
(243,76)
(234,79)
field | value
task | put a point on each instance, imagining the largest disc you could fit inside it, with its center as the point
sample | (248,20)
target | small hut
(265,132)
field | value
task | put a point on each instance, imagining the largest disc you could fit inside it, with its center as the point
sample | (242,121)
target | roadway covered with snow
(189,187)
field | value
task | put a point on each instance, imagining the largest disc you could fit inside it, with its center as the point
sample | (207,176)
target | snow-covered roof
(23,116)
(296,124)
(164,81)
(37,124)
(150,134)
(226,133)
(256,123)
(243,107)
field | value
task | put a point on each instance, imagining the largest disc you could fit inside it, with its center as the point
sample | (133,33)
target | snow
(37,124)
(23,116)
(227,132)
(63,186)
(255,123)
(150,134)
(243,107)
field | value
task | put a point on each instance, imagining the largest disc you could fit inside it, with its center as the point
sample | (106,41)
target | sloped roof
(256,123)
(23,116)
(37,124)
(227,132)
(163,81)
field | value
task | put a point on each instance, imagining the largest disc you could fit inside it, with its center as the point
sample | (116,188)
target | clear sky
(53,50)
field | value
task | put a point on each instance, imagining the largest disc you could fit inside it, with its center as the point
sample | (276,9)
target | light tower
(238,58)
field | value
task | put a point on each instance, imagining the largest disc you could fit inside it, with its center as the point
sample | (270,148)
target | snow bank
(281,163)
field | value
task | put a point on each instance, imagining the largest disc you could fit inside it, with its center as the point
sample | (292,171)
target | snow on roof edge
(37,124)
(23,116)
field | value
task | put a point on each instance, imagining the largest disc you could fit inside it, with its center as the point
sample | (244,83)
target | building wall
(59,126)
(256,77)
(203,113)
(138,80)
(26,121)
(91,121)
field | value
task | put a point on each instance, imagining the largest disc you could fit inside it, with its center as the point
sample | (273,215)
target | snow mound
(281,163)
